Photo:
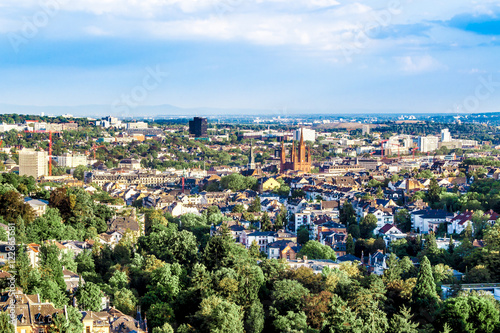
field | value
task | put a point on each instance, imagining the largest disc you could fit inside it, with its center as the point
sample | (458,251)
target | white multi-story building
(365,130)
(445,135)
(71,160)
(33,163)
(309,134)
(263,239)
(428,143)
(137,125)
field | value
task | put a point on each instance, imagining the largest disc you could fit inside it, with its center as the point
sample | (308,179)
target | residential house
(429,219)
(263,238)
(38,206)
(459,223)
(122,224)
(72,280)
(268,184)
(282,249)
(317,265)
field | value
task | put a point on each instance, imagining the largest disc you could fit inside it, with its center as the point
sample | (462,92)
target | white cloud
(419,64)
(322,26)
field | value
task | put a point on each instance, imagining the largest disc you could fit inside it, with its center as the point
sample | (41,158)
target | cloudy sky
(315,55)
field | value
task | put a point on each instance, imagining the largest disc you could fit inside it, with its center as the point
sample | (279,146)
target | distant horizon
(96,110)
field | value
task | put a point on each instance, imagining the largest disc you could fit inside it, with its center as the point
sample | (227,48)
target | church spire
(251,158)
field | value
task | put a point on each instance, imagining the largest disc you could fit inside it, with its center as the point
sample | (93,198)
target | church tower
(251,158)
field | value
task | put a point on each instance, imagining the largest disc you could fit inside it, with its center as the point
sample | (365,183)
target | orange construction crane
(399,148)
(94,148)
(382,147)
(415,149)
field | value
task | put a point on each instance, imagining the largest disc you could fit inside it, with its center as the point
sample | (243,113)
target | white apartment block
(71,160)
(428,143)
(33,163)
(445,135)
(137,125)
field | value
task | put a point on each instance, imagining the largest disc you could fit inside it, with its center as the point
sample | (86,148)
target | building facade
(33,163)
(309,134)
(198,127)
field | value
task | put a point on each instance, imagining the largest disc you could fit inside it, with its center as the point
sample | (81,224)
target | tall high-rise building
(445,135)
(198,127)
(33,163)
(309,134)
(365,129)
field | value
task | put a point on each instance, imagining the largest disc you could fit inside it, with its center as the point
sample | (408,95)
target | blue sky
(316,56)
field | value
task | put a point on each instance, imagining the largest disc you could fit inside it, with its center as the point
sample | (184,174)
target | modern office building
(33,163)
(198,127)
(309,134)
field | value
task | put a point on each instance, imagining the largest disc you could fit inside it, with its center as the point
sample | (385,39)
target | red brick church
(300,161)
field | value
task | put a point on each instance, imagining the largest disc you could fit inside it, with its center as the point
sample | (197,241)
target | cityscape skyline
(318,56)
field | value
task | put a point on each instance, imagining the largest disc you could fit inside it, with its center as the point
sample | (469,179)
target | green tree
(217,250)
(316,250)
(217,315)
(6,324)
(23,267)
(255,206)
(49,290)
(79,172)
(158,314)
(403,220)
(238,209)
(349,244)
(292,322)
(401,322)
(254,250)
(340,318)
(254,318)
(89,297)
(288,295)
(434,193)
(424,294)
(50,260)
(125,301)
(367,225)
(281,219)
(470,314)
(265,222)
(302,235)
(166,328)
(347,215)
